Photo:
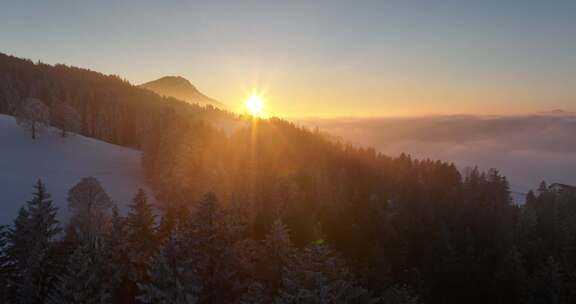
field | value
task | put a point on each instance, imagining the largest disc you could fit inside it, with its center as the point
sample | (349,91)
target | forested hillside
(445,235)
(272,212)
(108,107)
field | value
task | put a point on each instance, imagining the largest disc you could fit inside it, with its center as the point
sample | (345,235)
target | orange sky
(320,58)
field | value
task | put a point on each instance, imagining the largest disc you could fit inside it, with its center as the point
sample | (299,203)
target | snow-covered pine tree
(174,216)
(33,115)
(115,251)
(318,275)
(141,235)
(18,239)
(5,267)
(262,263)
(84,280)
(90,204)
(251,278)
(114,240)
(279,251)
(117,222)
(211,235)
(32,246)
(42,216)
(278,242)
(172,278)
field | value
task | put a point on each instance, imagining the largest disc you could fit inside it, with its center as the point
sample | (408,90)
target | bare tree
(66,118)
(33,115)
(90,204)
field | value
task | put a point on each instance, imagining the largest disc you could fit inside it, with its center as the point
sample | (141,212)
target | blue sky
(320,58)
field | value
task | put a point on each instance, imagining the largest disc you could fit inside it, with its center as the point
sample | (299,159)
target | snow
(61,163)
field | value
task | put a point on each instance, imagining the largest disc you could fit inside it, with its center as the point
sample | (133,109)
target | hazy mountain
(558,112)
(180,88)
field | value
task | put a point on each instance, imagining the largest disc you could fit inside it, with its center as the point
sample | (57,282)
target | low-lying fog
(527,149)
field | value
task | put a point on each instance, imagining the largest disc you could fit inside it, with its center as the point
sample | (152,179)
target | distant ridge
(180,88)
(557,112)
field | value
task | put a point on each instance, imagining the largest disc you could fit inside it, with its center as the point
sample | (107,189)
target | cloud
(527,149)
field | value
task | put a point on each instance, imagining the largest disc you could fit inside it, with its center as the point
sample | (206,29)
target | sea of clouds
(527,149)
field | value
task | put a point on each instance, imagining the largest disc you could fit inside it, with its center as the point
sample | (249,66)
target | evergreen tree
(173,219)
(212,234)
(279,251)
(116,266)
(443,263)
(83,280)
(172,280)
(511,280)
(318,275)
(543,188)
(42,216)
(5,266)
(141,234)
(529,241)
(278,241)
(547,283)
(32,247)
(531,198)
(265,262)
(18,239)
(114,241)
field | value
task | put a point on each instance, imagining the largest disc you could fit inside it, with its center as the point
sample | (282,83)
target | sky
(319,58)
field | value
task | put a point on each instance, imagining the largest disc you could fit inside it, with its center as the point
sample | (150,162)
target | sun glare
(255,105)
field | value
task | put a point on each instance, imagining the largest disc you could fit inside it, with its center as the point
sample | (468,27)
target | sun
(255,105)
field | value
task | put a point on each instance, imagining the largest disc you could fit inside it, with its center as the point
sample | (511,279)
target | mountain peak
(180,88)
(173,80)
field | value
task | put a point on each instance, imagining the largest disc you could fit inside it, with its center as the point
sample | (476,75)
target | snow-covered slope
(61,163)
